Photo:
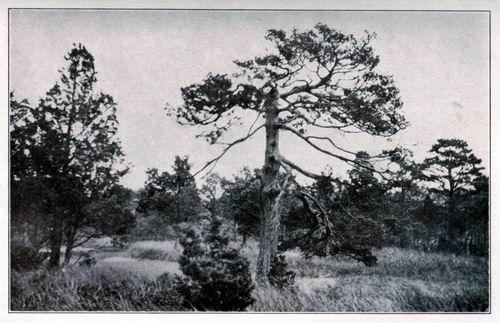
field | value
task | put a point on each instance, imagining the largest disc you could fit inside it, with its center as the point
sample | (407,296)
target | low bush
(25,258)
(216,276)
(279,275)
(87,261)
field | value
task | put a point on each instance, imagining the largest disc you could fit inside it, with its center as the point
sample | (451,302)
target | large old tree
(317,79)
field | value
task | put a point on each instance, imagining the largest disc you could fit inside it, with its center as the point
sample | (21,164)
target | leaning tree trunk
(270,190)
(70,241)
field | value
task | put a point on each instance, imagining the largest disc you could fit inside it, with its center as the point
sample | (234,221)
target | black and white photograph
(249,160)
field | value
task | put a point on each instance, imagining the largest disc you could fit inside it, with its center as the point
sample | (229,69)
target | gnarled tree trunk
(270,190)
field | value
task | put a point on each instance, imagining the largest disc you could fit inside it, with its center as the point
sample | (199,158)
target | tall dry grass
(402,281)
(95,289)
(146,259)
(155,250)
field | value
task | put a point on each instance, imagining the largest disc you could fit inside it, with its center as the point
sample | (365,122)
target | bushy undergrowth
(402,281)
(87,261)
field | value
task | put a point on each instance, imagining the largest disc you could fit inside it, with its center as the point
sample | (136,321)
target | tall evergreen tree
(77,150)
(452,170)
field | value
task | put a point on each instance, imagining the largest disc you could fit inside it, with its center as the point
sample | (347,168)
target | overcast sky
(439,61)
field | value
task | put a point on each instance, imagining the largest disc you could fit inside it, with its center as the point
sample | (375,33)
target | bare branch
(87,238)
(327,243)
(285,162)
(329,153)
(306,139)
(298,115)
(331,142)
(254,122)
(229,146)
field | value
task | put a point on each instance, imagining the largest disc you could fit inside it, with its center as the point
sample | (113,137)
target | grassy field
(126,280)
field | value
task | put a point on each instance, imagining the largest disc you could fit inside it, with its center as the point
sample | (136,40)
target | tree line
(419,206)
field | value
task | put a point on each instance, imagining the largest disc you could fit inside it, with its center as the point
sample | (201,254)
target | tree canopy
(321,78)
(453,167)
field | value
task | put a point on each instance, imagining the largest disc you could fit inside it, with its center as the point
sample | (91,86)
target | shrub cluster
(216,276)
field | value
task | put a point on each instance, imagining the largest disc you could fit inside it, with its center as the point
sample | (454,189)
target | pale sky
(439,61)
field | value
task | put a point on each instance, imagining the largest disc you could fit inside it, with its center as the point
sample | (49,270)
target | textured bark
(56,240)
(270,224)
(70,241)
(68,254)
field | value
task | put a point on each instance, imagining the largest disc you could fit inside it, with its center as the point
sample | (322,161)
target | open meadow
(127,280)
(249,161)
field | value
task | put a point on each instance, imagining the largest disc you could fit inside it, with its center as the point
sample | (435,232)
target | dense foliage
(174,197)
(65,157)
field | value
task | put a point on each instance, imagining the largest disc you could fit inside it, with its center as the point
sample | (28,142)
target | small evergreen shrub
(279,275)
(87,261)
(216,276)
